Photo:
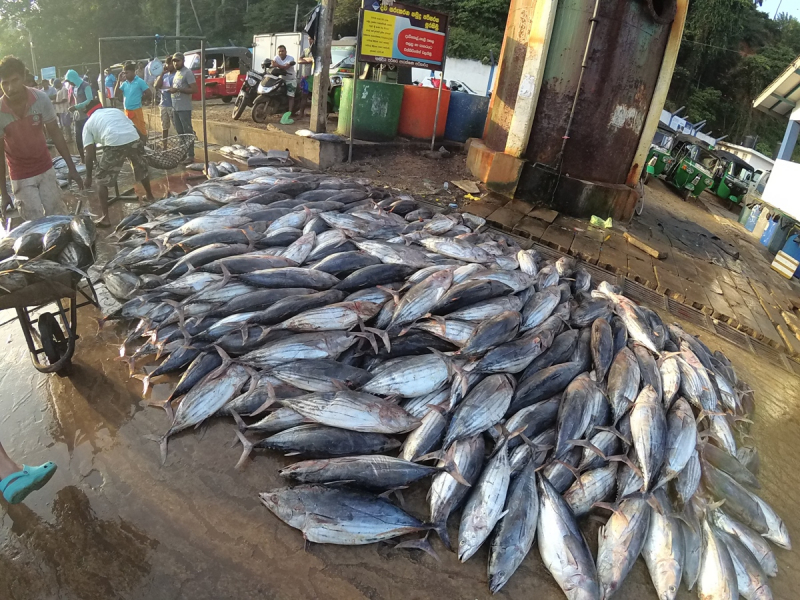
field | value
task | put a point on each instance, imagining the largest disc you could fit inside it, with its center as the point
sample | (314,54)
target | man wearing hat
(183,87)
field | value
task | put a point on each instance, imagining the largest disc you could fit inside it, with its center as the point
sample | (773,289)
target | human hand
(74,176)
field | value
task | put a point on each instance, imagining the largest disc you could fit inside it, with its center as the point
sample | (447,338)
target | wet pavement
(114,523)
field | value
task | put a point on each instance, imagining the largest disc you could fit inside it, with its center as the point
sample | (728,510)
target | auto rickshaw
(659,158)
(693,165)
(226,68)
(732,176)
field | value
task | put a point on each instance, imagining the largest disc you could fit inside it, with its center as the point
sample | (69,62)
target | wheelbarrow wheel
(53,342)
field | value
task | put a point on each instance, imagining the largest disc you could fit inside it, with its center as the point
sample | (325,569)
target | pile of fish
(46,248)
(215,169)
(386,344)
(241,152)
(62,172)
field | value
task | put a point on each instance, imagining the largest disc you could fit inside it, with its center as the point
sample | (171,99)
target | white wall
(781,190)
(472,72)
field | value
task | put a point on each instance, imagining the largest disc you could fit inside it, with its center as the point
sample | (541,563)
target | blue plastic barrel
(466,116)
(769,230)
(750,224)
(792,248)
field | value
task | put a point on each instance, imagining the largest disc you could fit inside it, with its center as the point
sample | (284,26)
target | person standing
(119,138)
(49,90)
(164,83)
(287,63)
(82,94)
(306,62)
(183,87)
(110,83)
(61,104)
(133,88)
(25,114)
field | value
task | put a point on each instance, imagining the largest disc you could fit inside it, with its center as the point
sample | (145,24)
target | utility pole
(34,70)
(319,95)
(177,25)
(296,14)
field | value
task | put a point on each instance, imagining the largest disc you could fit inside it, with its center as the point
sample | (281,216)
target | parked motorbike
(272,98)
(248,92)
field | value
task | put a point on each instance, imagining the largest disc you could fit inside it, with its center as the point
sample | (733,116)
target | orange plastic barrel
(418,111)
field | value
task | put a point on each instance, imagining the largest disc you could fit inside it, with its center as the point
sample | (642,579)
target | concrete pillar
(496,160)
(789,140)
(660,93)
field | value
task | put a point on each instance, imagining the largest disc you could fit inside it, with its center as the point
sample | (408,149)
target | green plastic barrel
(377,110)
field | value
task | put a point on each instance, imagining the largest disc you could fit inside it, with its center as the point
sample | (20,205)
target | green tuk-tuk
(659,158)
(732,176)
(693,165)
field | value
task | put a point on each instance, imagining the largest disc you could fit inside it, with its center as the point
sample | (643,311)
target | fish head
(286,504)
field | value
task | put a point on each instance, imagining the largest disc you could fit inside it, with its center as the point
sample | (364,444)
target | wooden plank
(721,310)
(585,248)
(505,218)
(644,246)
(790,340)
(695,296)
(791,321)
(468,186)
(520,206)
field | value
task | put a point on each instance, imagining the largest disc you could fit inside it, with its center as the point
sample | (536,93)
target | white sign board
(49,73)
(783,188)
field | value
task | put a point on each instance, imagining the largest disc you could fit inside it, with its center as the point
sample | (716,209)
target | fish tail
(441,529)
(145,382)
(420,544)
(246,450)
(451,467)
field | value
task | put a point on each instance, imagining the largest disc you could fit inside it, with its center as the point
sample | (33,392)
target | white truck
(265,45)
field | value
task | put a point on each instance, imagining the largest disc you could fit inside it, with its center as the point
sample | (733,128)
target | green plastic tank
(377,110)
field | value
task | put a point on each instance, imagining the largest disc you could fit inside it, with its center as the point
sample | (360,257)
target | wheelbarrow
(57,341)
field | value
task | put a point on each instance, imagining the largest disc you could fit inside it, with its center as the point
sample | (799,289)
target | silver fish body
(717,577)
(620,541)
(563,548)
(482,408)
(355,411)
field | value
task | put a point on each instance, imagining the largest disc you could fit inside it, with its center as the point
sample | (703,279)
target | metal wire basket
(169,153)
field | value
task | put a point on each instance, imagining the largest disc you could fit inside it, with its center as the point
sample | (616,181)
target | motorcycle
(272,96)
(248,92)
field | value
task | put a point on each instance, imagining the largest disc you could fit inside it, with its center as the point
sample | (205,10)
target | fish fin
(611,507)
(451,467)
(435,455)
(382,334)
(162,443)
(441,530)
(575,473)
(131,362)
(420,544)
(271,399)
(394,294)
(589,446)
(340,385)
(295,453)
(440,408)
(240,424)
(616,432)
(226,362)
(367,336)
(623,458)
(246,450)
(145,382)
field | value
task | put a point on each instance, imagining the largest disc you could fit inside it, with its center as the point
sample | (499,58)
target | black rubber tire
(261,109)
(239,107)
(685,195)
(646,178)
(227,99)
(54,343)
(639,208)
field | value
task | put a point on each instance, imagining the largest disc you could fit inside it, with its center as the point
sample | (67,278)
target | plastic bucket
(792,248)
(752,218)
(377,110)
(466,116)
(761,224)
(779,237)
(744,214)
(418,112)
(769,230)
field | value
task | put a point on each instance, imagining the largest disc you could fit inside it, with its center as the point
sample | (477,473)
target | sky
(788,6)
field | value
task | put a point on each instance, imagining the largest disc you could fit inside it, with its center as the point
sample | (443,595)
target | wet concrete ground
(114,523)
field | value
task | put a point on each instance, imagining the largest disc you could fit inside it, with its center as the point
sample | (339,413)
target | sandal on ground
(103,222)
(16,487)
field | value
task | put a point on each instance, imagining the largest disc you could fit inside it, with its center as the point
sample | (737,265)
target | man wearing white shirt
(286,62)
(119,138)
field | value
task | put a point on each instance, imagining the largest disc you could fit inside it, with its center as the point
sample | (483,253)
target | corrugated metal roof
(781,96)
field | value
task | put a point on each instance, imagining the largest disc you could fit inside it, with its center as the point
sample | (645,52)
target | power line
(709,45)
